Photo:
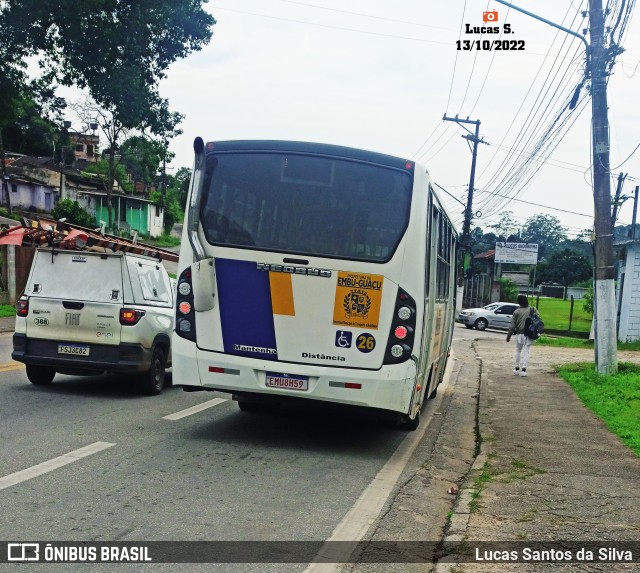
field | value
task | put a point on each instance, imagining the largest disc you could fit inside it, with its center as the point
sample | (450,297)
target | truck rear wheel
(153,381)
(40,375)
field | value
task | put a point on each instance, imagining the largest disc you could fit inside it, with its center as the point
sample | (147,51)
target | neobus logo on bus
(294,270)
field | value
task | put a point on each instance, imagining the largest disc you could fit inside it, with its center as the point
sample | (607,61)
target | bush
(508,290)
(587,301)
(74,214)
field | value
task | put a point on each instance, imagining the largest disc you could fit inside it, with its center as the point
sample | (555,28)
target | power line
(565,164)
(519,135)
(627,159)
(534,204)
(453,75)
(366,15)
(341,28)
(549,140)
(542,107)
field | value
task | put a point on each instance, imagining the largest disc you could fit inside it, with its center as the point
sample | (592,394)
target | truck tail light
(22,307)
(130,316)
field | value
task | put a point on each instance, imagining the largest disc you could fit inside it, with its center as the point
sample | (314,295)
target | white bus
(311,271)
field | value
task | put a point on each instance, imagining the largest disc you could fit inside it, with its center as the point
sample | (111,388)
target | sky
(380,75)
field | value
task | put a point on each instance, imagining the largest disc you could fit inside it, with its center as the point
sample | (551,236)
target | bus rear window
(311,205)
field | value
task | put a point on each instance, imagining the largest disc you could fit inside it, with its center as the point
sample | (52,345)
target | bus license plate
(73,349)
(287,381)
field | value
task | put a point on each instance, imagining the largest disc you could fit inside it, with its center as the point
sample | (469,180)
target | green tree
(566,267)
(29,113)
(175,197)
(102,168)
(135,42)
(546,231)
(180,181)
(580,245)
(142,158)
(173,212)
(506,228)
(481,241)
(508,290)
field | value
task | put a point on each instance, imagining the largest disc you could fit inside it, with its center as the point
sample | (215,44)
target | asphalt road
(215,474)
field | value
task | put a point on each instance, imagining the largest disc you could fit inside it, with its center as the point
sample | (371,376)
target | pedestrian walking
(523,343)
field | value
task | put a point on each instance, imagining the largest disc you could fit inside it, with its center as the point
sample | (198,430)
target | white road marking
(53,464)
(194,409)
(366,510)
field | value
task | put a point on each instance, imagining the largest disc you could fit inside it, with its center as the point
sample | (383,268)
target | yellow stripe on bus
(281,294)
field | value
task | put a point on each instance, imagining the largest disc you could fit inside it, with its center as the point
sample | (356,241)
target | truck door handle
(72,305)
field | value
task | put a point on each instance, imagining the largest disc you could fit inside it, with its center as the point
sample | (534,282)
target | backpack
(533,326)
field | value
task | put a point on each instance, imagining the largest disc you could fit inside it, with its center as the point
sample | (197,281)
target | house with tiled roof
(36,184)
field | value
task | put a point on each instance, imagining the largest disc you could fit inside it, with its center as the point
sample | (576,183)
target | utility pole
(635,212)
(604,292)
(617,202)
(63,158)
(5,177)
(465,240)
(606,350)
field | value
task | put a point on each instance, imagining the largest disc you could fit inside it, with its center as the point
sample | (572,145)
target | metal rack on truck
(45,232)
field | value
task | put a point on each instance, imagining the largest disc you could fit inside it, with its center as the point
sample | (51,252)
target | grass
(165,240)
(614,399)
(580,343)
(519,469)
(478,484)
(7,310)
(555,314)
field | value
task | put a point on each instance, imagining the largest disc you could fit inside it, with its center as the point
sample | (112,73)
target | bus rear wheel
(408,424)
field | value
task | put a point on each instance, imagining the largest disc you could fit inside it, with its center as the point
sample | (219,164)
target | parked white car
(87,313)
(494,315)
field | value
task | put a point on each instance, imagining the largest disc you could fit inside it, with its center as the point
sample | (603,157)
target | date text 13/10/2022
(488,45)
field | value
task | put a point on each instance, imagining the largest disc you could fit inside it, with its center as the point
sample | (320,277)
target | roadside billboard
(518,253)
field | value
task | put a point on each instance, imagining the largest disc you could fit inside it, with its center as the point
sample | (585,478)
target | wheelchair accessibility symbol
(343,339)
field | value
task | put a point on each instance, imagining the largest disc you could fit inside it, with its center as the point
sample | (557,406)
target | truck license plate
(287,381)
(73,349)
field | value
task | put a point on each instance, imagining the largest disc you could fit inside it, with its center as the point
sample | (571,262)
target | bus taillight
(401,332)
(185,316)
(403,326)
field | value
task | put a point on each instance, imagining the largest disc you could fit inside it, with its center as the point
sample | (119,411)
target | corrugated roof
(486,255)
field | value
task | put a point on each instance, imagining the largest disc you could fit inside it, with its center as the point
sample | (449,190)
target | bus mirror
(203,280)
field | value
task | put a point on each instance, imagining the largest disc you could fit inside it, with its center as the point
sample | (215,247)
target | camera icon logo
(490,16)
(23,551)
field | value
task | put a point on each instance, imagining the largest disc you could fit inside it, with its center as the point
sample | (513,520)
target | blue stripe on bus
(246,317)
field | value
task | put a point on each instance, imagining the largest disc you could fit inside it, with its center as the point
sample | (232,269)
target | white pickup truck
(86,313)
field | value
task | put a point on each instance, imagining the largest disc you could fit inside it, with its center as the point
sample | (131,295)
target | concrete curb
(456,531)
(7,323)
